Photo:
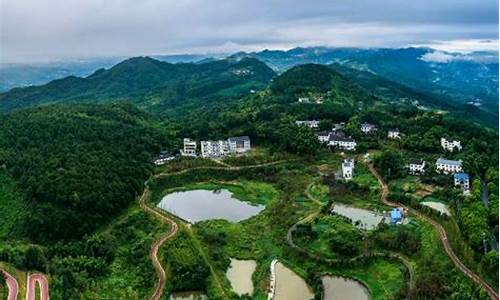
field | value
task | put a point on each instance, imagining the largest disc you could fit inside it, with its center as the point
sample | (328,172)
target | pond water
(188,296)
(441,207)
(368,219)
(198,205)
(340,288)
(240,275)
(290,286)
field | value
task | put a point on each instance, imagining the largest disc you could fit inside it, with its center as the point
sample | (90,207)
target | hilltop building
(189,148)
(347,169)
(450,145)
(368,128)
(214,149)
(239,144)
(448,166)
(393,133)
(416,166)
(310,124)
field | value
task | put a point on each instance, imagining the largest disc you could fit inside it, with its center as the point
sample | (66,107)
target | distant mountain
(149,83)
(461,78)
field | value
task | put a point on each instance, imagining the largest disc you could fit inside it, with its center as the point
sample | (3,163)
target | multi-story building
(447,166)
(341,141)
(450,145)
(347,169)
(214,149)
(189,148)
(462,180)
(416,166)
(239,144)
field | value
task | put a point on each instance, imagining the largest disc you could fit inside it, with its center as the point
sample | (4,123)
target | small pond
(290,286)
(188,296)
(340,288)
(199,205)
(441,207)
(368,219)
(240,275)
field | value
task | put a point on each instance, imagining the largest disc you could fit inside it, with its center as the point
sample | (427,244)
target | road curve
(442,236)
(12,285)
(31,282)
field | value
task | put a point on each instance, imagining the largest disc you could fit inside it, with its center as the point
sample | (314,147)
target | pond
(199,205)
(188,296)
(339,288)
(240,275)
(290,286)
(441,207)
(368,219)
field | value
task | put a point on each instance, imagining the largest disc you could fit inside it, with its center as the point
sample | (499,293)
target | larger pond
(240,275)
(365,219)
(441,207)
(199,205)
(340,288)
(290,286)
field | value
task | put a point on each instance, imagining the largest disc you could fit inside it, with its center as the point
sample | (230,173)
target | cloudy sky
(34,30)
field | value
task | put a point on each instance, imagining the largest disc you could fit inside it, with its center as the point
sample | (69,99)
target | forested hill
(77,166)
(150,83)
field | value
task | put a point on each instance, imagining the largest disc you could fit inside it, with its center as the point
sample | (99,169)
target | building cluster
(337,138)
(217,149)
(318,99)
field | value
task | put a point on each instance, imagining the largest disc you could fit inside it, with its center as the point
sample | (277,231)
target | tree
(390,164)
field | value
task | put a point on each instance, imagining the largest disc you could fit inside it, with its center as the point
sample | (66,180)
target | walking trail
(442,236)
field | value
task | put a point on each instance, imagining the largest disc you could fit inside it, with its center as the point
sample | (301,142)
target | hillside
(150,83)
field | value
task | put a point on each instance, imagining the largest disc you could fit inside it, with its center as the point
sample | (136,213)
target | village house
(214,149)
(416,166)
(338,126)
(189,148)
(239,144)
(310,124)
(393,133)
(450,145)
(462,180)
(347,169)
(368,128)
(397,215)
(447,166)
(304,100)
(339,140)
(323,136)
(163,159)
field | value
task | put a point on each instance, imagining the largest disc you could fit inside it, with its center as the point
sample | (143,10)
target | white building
(368,128)
(239,144)
(342,142)
(163,159)
(310,124)
(450,145)
(416,166)
(214,149)
(446,166)
(462,180)
(323,136)
(393,133)
(304,100)
(347,169)
(189,148)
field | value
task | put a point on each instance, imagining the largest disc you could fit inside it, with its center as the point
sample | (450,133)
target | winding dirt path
(441,233)
(12,285)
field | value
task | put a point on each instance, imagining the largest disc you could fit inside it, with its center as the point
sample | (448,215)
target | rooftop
(239,138)
(461,176)
(448,162)
(416,161)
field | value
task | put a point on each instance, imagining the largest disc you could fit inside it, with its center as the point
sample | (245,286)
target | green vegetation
(12,206)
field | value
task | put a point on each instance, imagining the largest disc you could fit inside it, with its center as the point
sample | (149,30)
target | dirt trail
(32,280)
(441,233)
(12,285)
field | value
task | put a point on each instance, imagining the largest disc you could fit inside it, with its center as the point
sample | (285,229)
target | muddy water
(290,286)
(198,205)
(441,207)
(240,275)
(368,219)
(340,288)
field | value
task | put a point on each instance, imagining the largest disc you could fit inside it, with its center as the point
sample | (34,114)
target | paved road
(12,285)
(442,236)
(41,280)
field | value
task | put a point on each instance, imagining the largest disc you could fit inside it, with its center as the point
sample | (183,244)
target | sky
(34,30)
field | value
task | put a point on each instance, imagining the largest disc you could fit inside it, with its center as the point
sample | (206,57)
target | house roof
(461,176)
(367,125)
(238,138)
(340,138)
(396,214)
(445,161)
(323,133)
(416,161)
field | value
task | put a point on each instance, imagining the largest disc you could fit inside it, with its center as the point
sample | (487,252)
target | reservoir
(367,219)
(290,286)
(199,205)
(339,288)
(240,275)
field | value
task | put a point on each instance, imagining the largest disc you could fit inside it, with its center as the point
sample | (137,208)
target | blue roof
(461,176)
(395,215)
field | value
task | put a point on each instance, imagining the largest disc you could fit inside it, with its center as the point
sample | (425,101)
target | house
(368,128)
(462,180)
(397,215)
(310,124)
(239,144)
(450,145)
(393,133)
(339,140)
(416,166)
(323,136)
(304,100)
(189,148)
(347,169)
(163,159)
(448,166)
(214,149)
